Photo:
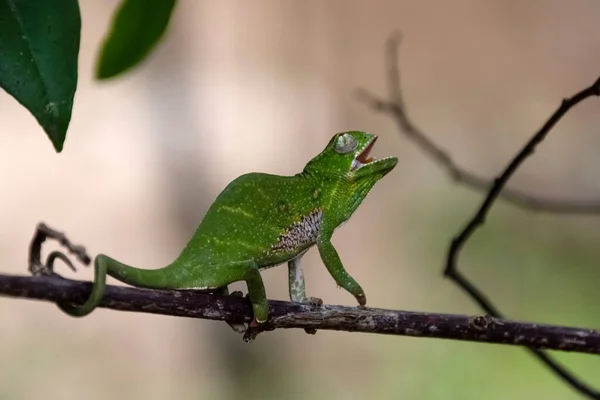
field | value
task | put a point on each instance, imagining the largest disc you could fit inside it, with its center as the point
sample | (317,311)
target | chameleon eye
(345,144)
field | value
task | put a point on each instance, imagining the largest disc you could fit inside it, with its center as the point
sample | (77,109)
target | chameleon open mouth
(363,157)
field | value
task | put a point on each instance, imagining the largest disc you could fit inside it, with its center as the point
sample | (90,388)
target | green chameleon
(261,221)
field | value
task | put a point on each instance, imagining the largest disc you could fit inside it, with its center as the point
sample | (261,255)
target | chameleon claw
(254,328)
(313,301)
(237,327)
(362,299)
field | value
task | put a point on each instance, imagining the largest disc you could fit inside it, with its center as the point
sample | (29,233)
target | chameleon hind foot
(254,328)
(238,327)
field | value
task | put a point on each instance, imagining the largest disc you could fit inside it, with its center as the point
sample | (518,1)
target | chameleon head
(348,154)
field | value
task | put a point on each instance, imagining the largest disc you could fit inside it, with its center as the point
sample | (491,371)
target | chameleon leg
(238,327)
(260,306)
(248,272)
(334,265)
(258,296)
(297,287)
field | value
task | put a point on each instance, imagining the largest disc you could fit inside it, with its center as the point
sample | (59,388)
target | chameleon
(260,221)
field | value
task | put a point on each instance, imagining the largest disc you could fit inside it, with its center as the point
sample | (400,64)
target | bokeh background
(239,86)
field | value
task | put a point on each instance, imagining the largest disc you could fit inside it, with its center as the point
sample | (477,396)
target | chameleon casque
(260,221)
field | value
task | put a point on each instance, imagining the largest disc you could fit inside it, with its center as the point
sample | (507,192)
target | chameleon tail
(104,265)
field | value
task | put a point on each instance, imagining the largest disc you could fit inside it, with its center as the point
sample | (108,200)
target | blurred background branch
(396,108)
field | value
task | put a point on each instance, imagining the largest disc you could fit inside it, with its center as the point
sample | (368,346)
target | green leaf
(136,29)
(39,47)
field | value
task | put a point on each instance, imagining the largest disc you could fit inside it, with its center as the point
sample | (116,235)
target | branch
(396,109)
(478,220)
(496,189)
(196,304)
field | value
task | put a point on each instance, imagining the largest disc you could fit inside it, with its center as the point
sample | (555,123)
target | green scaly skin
(261,221)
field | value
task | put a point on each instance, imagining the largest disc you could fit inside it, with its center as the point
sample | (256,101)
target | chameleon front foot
(312,301)
(238,327)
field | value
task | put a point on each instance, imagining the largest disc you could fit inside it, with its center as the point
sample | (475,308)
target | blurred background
(240,86)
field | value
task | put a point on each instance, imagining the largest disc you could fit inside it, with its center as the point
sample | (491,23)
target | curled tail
(103,265)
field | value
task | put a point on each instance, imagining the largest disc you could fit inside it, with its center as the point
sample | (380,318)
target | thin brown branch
(501,181)
(496,190)
(43,232)
(478,220)
(285,315)
(396,109)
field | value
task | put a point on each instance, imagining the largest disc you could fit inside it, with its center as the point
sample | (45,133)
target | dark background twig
(396,109)
(496,188)
(196,304)
(478,220)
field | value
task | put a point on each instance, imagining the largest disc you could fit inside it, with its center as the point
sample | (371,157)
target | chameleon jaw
(362,158)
